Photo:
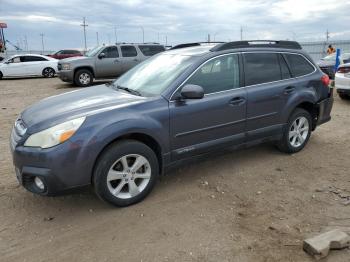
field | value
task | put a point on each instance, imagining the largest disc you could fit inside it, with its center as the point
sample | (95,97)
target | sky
(172,20)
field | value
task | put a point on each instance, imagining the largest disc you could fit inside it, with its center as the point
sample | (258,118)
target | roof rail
(257,43)
(193,44)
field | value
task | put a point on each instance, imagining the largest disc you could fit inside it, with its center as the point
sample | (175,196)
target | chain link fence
(317,50)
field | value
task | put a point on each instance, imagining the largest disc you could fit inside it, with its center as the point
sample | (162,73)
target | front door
(218,119)
(110,65)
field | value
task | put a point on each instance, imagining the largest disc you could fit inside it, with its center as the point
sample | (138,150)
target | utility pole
(115,34)
(42,42)
(109,39)
(208,38)
(166,40)
(241,33)
(327,36)
(84,25)
(26,42)
(97,40)
(143,34)
(158,38)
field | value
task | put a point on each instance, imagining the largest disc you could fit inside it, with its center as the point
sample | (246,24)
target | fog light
(39,183)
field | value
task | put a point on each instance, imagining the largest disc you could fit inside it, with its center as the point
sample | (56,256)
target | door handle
(237,101)
(288,90)
(116,61)
(136,60)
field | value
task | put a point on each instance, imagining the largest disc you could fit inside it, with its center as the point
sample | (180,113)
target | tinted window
(69,52)
(219,74)
(149,50)
(284,68)
(33,58)
(128,51)
(261,68)
(298,65)
(111,52)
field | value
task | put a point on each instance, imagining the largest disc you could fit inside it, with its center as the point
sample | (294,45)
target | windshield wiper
(129,90)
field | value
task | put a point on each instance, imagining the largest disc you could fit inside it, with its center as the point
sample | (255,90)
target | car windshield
(93,51)
(154,75)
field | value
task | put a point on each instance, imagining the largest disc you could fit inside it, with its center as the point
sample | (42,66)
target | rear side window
(298,65)
(149,50)
(128,51)
(111,52)
(261,68)
(33,58)
(219,74)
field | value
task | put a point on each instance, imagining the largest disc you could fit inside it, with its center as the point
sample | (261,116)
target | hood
(83,102)
(76,58)
(326,63)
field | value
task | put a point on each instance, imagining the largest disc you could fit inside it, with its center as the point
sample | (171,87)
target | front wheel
(297,132)
(125,173)
(48,72)
(83,78)
(1,75)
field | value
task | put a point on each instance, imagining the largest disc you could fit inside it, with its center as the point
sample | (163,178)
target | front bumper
(60,168)
(66,76)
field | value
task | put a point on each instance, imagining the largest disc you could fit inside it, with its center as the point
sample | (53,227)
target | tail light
(343,70)
(325,80)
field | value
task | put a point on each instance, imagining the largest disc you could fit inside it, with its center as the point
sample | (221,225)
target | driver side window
(219,74)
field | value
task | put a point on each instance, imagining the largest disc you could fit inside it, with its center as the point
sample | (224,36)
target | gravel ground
(250,205)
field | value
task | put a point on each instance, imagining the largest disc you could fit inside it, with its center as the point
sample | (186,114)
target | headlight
(66,67)
(54,135)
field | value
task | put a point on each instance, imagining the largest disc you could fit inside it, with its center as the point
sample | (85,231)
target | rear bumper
(325,107)
(66,76)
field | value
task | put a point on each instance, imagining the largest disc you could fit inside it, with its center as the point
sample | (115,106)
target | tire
(83,78)
(294,143)
(343,96)
(1,75)
(48,72)
(114,178)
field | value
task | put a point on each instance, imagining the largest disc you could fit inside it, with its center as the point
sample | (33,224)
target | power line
(84,25)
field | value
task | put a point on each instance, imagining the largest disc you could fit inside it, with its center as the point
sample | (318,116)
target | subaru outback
(173,107)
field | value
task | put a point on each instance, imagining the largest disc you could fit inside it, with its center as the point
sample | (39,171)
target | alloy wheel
(128,176)
(298,131)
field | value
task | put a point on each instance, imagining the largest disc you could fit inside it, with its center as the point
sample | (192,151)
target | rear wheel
(83,78)
(48,72)
(297,132)
(125,173)
(343,96)
(1,75)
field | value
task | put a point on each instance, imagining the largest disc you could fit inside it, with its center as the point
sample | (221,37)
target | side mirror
(192,92)
(102,55)
(7,62)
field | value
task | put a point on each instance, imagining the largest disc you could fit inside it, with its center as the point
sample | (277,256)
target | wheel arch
(146,139)
(90,68)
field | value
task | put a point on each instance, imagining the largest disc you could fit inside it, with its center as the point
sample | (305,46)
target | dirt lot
(249,205)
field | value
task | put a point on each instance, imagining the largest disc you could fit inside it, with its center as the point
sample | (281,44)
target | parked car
(105,62)
(327,64)
(171,108)
(342,81)
(66,54)
(28,65)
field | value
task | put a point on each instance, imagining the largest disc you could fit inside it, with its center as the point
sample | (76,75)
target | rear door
(216,120)
(268,92)
(110,65)
(130,57)
(34,65)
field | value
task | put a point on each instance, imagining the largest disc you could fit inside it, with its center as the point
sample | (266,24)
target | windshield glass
(93,51)
(153,76)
